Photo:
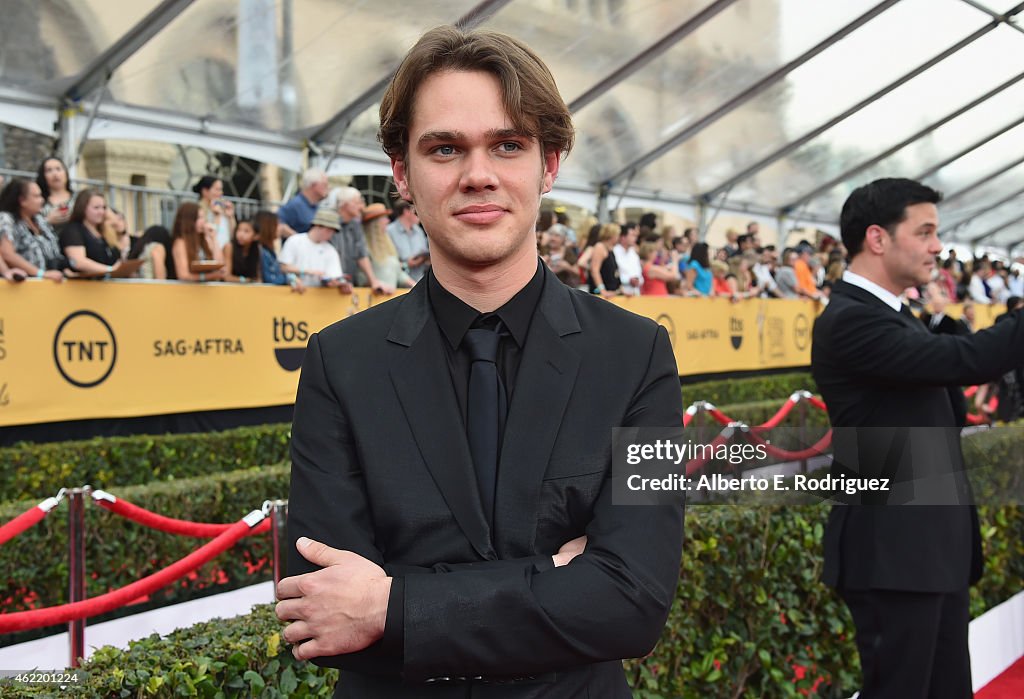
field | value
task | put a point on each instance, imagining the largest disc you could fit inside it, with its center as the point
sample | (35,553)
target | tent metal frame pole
(337,126)
(983,180)
(918,135)
(648,54)
(753,91)
(97,73)
(817,131)
(988,209)
(991,232)
(972,147)
(995,15)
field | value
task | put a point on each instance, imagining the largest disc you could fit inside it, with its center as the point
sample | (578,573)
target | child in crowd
(242,254)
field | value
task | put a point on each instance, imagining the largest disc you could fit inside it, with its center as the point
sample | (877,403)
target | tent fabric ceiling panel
(229,60)
(256,76)
(726,56)
(900,114)
(43,52)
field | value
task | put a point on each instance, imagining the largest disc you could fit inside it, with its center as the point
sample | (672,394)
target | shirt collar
(884,295)
(455,316)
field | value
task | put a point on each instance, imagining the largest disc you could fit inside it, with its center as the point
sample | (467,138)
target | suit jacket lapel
(869,298)
(424,388)
(545,381)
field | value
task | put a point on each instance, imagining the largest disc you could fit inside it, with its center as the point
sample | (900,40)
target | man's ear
(552,160)
(401,176)
(876,239)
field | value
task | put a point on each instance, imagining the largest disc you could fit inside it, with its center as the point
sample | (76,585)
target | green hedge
(239,657)
(119,551)
(751,618)
(39,470)
(773,387)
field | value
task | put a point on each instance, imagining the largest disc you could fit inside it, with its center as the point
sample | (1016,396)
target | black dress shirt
(454,317)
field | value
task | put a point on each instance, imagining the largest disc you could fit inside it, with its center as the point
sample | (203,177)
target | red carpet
(1009,685)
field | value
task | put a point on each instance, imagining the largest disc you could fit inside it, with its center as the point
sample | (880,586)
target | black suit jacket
(381,466)
(877,368)
(946,326)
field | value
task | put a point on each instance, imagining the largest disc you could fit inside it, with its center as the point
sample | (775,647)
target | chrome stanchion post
(802,407)
(278,536)
(76,568)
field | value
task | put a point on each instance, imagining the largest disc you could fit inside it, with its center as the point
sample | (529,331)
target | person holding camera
(217,210)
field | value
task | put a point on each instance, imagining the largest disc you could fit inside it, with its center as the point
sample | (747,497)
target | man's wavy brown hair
(529,93)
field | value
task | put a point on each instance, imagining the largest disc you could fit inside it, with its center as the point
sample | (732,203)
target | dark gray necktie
(485,408)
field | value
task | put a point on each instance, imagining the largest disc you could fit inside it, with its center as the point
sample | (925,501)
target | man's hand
(569,551)
(382,288)
(339,609)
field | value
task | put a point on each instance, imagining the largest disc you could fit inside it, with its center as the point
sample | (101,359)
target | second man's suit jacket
(381,466)
(882,370)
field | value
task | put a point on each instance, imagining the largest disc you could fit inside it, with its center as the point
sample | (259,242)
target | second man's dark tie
(485,409)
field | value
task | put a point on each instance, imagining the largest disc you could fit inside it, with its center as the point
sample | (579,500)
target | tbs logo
(287,332)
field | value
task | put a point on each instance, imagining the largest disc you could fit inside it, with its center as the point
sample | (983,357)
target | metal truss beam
(335,127)
(648,54)
(916,136)
(988,209)
(99,71)
(983,180)
(749,93)
(991,232)
(785,150)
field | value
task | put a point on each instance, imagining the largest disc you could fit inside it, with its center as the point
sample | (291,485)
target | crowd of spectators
(331,237)
(637,259)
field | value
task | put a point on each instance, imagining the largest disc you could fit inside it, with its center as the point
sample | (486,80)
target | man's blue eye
(445,150)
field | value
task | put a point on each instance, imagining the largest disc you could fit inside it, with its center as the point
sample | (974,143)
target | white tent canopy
(773,108)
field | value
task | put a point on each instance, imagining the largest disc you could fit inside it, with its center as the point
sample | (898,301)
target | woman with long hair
(90,245)
(154,249)
(216,210)
(604,271)
(242,254)
(27,242)
(268,232)
(698,271)
(58,197)
(383,254)
(194,240)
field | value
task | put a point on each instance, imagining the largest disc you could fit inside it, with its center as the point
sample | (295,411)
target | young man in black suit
(453,510)
(903,569)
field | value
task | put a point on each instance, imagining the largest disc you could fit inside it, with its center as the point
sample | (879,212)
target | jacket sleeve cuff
(394,625)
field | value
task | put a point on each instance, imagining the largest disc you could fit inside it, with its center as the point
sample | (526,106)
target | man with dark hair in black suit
(902,569)
(450,500)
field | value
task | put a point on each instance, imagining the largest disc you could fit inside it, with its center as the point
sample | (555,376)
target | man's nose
(478,172)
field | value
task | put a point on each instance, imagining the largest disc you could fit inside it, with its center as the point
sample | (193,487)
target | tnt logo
(84,349)
(736,332)
(286,331)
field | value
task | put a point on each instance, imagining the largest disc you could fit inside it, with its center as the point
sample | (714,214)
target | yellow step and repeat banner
(82,350)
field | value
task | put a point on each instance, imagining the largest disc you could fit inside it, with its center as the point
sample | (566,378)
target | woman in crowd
(268,233)
(154,249)
(88,242)
(58,197)
(242,254)
(216,210)
(657,275)
(723,284)
(604,270)
(117,222)
(383,255)
(698,271)
(27,242)
(194,240)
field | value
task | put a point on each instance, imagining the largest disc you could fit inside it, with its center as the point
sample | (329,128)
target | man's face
(352,208)
(320,188)
(909,253)
(320,234)
(476,182)
(628,238)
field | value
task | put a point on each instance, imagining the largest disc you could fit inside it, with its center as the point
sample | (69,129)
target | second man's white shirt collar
(884,295)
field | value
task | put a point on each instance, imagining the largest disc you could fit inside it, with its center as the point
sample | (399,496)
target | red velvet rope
(170,525)
(25,520)
(814,450)
(36,618)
